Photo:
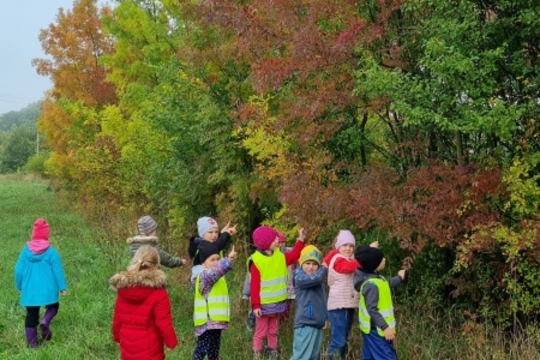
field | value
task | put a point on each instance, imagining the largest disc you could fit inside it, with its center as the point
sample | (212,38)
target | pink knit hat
(345,237)
(41,230)
(263,237)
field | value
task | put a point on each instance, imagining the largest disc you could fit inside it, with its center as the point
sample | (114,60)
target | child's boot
(45,324)
(272,353)
(31,337)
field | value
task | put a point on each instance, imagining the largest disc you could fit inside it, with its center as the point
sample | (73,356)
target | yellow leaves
(523,186)
(268,145)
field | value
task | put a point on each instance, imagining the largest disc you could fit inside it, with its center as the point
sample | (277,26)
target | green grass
(82,327)
(90,257)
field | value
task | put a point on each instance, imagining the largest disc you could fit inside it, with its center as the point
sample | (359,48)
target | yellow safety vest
(274,276)
(385,306)
(215,306)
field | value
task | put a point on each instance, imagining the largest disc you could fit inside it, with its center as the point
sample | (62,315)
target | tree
(20,146)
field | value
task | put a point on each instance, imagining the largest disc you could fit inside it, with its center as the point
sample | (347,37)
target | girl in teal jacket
(39,276)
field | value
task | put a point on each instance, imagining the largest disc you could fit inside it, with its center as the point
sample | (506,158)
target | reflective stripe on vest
(385,306)
(215,307)
(274,276)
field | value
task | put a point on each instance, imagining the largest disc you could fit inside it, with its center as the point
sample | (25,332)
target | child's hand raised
(401,274)
(230,229)
(374,244)
(232,254)
(302,234)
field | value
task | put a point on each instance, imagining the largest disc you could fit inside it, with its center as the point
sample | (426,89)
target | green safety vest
(274,276)
(215,306)
(385,306)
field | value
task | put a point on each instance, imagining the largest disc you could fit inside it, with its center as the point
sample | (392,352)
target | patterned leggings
(208,344)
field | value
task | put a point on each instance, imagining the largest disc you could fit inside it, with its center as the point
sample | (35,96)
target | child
(268,271)
(342,298)
(311,315)
(211,309)
(208,231)
(142,320)
(377,321)
(147,236)
(282,244)
(39,276)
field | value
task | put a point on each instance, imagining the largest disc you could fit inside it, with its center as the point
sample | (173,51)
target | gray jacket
(371,294)
(167,259)
(310,298)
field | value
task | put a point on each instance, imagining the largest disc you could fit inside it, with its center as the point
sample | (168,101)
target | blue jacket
(39,277)
(310,298)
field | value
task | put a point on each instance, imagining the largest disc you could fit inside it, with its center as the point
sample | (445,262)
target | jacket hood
(144,278)
(143,239)
(360,277)
(35,257)
(194,242)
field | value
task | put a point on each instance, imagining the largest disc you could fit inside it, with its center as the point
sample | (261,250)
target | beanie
(310,252)
(204,224)
(207,249)
(41,230)
(369,258)
(146,225)
(263,237)
(345,237)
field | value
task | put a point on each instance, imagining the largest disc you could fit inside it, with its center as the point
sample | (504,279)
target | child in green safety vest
(376,310)
(268,286)
(211,313)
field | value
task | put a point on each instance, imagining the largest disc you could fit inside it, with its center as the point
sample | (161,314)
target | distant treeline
(19,140)
(27,116)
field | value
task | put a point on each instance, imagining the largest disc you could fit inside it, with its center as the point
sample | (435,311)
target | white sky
(20,22)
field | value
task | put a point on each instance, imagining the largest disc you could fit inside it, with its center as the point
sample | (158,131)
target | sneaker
(257,354)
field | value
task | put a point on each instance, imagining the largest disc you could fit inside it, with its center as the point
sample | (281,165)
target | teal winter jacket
(39,277)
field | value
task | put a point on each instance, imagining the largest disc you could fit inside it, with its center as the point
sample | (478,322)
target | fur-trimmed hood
(143,239)
(145,278)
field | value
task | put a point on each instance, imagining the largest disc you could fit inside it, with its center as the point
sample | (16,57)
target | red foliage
(75,44)
(437,202)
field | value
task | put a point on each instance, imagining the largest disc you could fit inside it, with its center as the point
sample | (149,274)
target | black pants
(32,314)
(208,344)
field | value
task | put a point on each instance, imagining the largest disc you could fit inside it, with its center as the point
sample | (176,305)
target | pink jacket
(342,294)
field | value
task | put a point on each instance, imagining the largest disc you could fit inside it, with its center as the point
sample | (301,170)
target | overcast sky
(20,22)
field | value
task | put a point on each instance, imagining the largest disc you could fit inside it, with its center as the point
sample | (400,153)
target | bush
(36,164)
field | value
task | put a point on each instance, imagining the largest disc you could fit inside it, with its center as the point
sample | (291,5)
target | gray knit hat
(146,225)
(204,224)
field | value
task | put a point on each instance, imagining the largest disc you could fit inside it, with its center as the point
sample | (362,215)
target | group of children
(142,321)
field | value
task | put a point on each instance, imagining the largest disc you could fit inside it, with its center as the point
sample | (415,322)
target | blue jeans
(341,321)
(377,347)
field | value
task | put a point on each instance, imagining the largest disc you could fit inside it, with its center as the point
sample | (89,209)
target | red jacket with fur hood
(142,320)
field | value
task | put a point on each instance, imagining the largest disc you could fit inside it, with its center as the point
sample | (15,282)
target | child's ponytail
(146,258)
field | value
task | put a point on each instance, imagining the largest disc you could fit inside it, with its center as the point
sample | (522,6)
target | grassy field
(82,328)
